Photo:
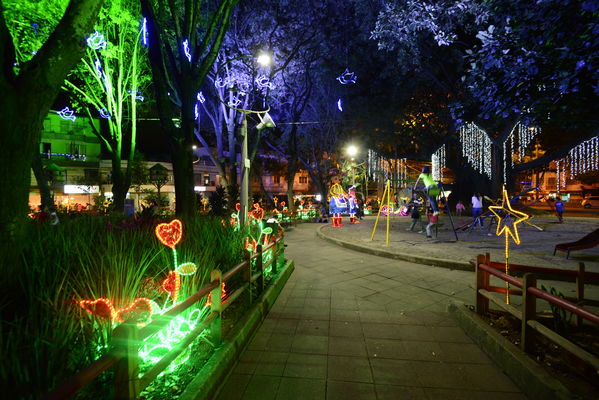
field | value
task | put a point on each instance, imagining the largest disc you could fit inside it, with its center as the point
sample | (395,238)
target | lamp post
(352,151)
(264,59)
(265,122)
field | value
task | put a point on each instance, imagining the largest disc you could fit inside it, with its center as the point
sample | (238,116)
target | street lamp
(264,59)
(352,151)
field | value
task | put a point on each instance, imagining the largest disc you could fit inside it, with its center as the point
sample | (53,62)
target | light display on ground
(142,309)
(507,224)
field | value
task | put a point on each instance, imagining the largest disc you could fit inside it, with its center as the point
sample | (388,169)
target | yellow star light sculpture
(503,221)
(507,224)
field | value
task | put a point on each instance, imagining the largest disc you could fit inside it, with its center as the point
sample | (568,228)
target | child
(433,218)
(459,208)
(559,209)
(432,188)
(352,202)
(415,215)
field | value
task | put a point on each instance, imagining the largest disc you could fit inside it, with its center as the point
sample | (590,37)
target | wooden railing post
(275,254)
(126,371)
(216,306)
(529,312)
(482,282)
(260,267)
(247,274)
(580,289)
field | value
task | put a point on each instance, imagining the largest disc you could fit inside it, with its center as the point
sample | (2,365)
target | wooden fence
(123,356)
(527,313)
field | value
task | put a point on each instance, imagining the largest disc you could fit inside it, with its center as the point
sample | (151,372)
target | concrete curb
(437,262)
(207,381)
(531,378)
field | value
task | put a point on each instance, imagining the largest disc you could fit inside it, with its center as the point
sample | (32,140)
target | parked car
(591,202)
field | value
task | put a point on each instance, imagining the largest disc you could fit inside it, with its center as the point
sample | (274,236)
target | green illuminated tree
(29,87)
(184,41)
(108,83)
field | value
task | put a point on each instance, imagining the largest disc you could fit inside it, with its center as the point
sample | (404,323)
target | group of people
(415,208)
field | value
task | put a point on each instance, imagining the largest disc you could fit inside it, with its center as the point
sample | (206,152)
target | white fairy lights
(379,167)
(526,135)
(584,157)
(438,163)
(476,148)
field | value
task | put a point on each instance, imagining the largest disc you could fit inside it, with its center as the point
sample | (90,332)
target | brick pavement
(354,326)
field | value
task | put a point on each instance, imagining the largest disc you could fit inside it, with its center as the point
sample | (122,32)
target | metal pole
(245,167)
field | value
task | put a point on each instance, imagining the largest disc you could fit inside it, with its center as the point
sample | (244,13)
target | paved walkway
(536,247)
(354,326)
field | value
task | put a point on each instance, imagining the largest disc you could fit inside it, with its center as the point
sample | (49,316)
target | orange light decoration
(172,284)
(222,297)
(257,213)
(170,233)
(507,224)
(103,308)
(140,312)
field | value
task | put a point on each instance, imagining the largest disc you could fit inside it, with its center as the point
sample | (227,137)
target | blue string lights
(263,82)
(339,105)
(347,77)
(104,113)
(97,41)
(67,114)
(144,32)
(138,95)
(186,49)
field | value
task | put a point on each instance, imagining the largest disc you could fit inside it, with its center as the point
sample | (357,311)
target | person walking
(459,208)
(477,209)
(559,209)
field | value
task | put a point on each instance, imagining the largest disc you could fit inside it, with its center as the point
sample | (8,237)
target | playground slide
(590,240)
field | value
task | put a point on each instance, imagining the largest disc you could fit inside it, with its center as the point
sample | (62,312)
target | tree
(108,83)
(184,41)
(28,91)
(522,65)
(236,83)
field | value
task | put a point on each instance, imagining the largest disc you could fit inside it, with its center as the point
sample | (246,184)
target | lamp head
(265,122)
(352,150)
(264,59)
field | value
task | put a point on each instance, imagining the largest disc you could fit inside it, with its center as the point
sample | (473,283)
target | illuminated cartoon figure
(352,202)
(337,202)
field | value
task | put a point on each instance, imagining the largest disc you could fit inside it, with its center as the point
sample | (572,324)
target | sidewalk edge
(436,262)
(206,383)
(532,379)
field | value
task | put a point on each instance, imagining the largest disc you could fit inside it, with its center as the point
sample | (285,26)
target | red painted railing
(485,268)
